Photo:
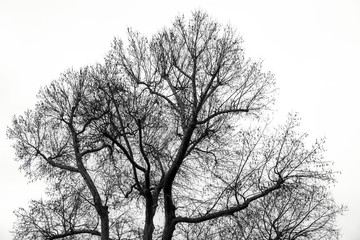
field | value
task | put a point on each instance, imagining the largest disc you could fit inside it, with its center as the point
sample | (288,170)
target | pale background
(311,46)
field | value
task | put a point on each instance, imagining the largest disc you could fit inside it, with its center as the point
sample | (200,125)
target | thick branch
(50,160)
(231,210)
(75,232)
(141,146)
(94,149)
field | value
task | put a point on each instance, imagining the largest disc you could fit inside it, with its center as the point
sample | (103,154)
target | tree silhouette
(307,212)
(159,137)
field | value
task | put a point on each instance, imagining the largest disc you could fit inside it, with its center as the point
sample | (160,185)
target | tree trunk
(151,205)
(169,229)
(148,230)
(170,208)
(104,217)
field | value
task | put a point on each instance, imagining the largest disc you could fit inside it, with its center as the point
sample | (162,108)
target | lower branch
(75,232)
(231,210)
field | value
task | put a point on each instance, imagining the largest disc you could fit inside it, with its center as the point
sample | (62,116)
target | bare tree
(69,213)
(307,212)
(65,214)
(162,126)
(56,139)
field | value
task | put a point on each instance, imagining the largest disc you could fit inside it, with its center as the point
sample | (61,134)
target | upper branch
(51,161)
(221,113)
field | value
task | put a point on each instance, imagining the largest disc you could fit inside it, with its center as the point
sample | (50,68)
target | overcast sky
(312,47)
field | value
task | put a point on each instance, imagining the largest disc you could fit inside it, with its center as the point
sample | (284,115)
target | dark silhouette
(156,142)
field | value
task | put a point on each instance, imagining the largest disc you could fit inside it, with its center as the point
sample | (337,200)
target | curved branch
(137,166)
(231,210)
(75,232)
(50,160)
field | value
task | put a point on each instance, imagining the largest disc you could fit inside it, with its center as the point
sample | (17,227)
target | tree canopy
(167,140)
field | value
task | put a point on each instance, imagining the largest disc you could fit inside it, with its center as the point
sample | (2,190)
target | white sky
(311,46)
